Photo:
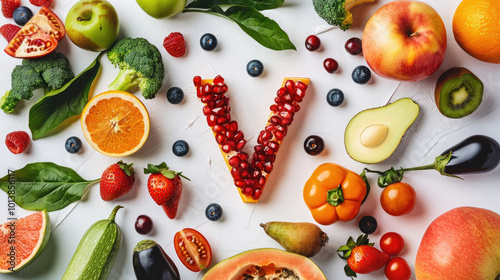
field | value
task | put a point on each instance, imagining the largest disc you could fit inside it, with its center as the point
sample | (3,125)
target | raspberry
(9,30)
(175,44)
(40,3)
(8,7)
(17,141)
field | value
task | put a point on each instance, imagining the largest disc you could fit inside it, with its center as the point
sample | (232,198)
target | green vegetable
(44,185)
(140,65)
(58,105)
(96,253)
(246,14)
(337,12)
(49,72)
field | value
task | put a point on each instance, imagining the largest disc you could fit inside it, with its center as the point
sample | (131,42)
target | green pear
(301,238)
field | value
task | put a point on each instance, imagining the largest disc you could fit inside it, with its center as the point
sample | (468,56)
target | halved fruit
(115,123)
(250,175)
(266,263)
(22,241)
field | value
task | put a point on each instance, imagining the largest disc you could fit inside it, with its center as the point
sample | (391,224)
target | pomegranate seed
(261,157)
(248,191)
(240,145)
(222,120)
(263,136)
(199,92)
(258,148)
(256,174)
(281,92)
(239,136)
(232,126)
(271,158)
(257,192)
(280,107)
(234,161)
(221,140)
(279,135)
(218,128)
(207,98)
(287,97)
(262,180)
(290,85)
(274,108)
(230,135)
(244,174)
(235,172)
(297,107)
(279,100)
(275,120)
(269,128)
(243,156)
(211,120)
(289,108)
(268,167)
(216,89)
(207,111)
(207,88)
(220,103)
(249,183)
(273,145)
(244,165)
(223,88)
(232,144)
(226,148)
(269,151)
(286,115)
(197,81)
(259,165)
(239,183)
(301,85)
(300,93)
(218,79)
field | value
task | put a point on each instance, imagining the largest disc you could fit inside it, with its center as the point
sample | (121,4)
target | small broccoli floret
(49,72)
(140,65)
(337,12)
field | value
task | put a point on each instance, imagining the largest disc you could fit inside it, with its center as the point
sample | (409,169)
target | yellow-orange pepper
(334,193)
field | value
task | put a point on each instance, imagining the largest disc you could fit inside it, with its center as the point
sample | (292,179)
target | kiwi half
(458,92)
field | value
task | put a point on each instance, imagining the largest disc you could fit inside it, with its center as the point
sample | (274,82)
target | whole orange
(476,26)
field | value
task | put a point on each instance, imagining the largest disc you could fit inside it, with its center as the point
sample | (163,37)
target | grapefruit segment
(22,240)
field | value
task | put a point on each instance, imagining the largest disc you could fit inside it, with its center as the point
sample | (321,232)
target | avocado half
(373,135)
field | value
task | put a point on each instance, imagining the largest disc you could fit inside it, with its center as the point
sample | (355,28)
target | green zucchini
(95,255)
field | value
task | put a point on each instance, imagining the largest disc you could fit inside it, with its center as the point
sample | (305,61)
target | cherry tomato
(398,199)
(38,37)
(392,243)
(397,269)
(192,249)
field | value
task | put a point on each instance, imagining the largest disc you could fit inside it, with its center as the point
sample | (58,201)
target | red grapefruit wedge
(22,241)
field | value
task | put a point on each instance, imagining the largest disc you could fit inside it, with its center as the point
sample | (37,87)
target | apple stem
(415,34)
(82,19)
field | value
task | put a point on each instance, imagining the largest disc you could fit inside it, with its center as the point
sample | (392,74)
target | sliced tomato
(38,37)
(193,249)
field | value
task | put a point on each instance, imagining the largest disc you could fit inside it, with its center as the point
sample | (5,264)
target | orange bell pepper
(334,193)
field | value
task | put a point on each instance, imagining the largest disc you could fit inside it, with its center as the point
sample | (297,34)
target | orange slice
(115,123)
(22,241)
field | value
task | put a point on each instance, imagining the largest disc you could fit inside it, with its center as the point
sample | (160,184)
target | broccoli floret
(48,72)
(337,12)
(140,65)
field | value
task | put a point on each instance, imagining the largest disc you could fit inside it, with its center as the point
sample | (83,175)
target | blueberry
(255,68)
(22,15)
(335,97)
(213,212)
(73,145)
(314,145)
(208,42)
(368,224)
(180,148)
(361,74)
(175,95)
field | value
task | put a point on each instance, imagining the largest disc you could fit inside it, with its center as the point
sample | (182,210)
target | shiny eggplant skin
(152,263)
(476,154)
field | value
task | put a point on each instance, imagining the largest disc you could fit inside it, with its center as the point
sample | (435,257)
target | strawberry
(362,257)
(17,141)
(116,180)
(40,3)
(165,187)
(8,7)
(9,30)
(174,44)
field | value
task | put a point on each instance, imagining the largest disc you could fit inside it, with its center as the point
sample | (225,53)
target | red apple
(461,244)
(404,41)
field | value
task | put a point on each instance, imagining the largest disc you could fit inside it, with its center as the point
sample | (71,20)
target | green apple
(92,24)
(162,8)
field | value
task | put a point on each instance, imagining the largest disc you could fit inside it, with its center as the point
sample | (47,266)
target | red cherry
(313,43)
(353,46)
(330,65)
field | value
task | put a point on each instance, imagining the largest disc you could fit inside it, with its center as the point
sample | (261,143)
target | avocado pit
(373,135)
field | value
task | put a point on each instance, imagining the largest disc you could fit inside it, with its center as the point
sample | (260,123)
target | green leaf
(257,4)
(349,272)
(58,105)
(44,185)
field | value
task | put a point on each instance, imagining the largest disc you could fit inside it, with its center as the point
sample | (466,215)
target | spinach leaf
(261,28)
(257,4)
(58,105)
(44,185)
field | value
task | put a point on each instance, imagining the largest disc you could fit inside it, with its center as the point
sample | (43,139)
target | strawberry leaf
(349,272)
(164,170)
(127,168)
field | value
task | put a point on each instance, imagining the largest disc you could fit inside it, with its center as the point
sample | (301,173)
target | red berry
(353,46)
(40,3)
(330,65)
(17,141)
(8,7)
(174,44)
(313,43)
(9,30)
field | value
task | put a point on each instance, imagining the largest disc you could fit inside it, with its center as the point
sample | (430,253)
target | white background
(250,99)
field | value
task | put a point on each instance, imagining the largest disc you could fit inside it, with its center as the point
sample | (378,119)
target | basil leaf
(261,28)
(58,105)
(44,185)
(257,4)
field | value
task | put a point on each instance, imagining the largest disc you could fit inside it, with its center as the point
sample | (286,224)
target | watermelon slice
(22,241)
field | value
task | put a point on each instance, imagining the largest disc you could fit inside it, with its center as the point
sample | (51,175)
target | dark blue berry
(22,15)
(314,145)
(335,97)
(255,68)
(73,145)
(175,95)
(208,42)
(213,212)
(368,224)
(180,148)
(361,74)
